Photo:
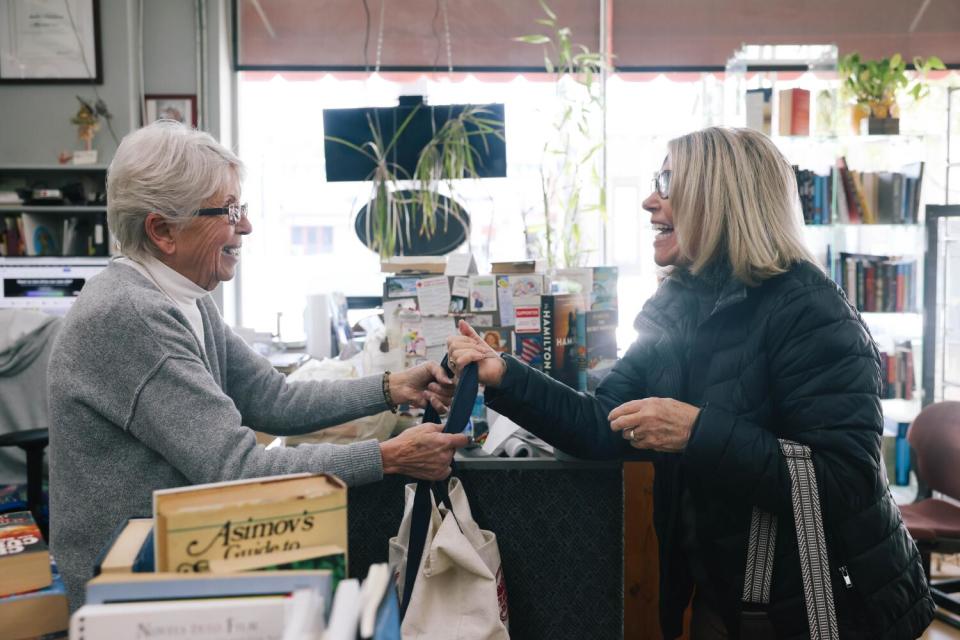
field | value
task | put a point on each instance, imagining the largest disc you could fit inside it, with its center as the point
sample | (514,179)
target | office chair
(935,523)
(32,442)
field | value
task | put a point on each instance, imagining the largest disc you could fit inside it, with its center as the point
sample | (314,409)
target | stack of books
(262,557)
(563,323)
(33,600)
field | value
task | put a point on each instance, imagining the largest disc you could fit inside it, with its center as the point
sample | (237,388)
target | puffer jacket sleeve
(574,422)
(824,374)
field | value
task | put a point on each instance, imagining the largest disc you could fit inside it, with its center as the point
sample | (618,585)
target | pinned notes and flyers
(483,293)
(461,264)
(436,330)
(433,296)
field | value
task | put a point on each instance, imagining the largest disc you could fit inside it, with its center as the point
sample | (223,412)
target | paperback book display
(562,323)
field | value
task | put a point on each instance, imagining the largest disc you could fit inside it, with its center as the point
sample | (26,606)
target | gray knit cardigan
(137,404)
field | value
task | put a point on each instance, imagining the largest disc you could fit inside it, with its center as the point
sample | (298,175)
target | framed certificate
(50,42)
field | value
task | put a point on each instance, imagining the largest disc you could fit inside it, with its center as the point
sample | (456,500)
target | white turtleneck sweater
(182,291)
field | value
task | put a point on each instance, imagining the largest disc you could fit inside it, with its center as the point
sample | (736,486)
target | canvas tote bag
(449,576)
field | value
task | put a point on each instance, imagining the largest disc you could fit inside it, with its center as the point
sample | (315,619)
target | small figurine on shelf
(87,120)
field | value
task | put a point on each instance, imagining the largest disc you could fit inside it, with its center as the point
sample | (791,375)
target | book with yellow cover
(245,518)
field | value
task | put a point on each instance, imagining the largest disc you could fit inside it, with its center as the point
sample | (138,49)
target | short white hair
(734,198)
(167,168)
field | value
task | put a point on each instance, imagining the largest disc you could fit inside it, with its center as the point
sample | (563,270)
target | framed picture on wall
(180,107)
(50,42)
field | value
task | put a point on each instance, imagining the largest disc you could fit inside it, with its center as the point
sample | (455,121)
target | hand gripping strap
(457,418)
(811,542)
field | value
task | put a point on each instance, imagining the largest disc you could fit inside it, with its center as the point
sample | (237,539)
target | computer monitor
(45,284)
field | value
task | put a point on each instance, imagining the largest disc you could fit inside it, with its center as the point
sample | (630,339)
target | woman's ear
(161,232)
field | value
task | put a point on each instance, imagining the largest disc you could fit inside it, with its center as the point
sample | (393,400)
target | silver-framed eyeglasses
(233,212)
(661,183)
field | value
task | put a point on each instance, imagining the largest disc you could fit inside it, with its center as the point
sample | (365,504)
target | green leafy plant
(396,197)
(569,172)
(448,156)
(876,83)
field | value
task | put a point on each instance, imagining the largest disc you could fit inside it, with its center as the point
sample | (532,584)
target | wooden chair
(935,523)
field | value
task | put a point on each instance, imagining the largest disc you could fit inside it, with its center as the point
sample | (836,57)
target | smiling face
(207,249)
(666,249)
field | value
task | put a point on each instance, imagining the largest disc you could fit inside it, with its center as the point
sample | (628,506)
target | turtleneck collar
(182,291)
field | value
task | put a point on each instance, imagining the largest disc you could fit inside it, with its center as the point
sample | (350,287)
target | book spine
(547,326)
(869,293)
(582,351)
(860,286)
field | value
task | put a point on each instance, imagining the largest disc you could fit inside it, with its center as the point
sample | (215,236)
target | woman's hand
(660,424)
(422,452)
(423,383)
(469,347)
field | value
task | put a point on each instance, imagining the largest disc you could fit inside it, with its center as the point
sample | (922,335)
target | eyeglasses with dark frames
(233,212)
(661,183)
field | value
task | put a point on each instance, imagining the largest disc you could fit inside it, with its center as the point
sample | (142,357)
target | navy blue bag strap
(460,409)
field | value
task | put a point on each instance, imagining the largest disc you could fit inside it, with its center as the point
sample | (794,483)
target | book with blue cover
(139,587)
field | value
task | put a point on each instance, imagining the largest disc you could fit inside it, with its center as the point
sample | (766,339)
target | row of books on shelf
(33,234)
(257,559)
(563,322)
(897,372)
(854,197)
(877,283)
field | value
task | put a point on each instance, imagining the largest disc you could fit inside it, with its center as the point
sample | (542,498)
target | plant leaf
(533,39)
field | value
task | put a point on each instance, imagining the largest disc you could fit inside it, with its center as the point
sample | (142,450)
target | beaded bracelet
(386,392)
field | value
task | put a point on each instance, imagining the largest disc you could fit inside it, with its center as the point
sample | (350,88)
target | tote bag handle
(460,409)
(811,542)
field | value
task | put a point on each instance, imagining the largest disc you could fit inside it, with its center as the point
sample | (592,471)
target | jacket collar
(669,301)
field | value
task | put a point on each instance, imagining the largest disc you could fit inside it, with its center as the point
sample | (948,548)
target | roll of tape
(517,448)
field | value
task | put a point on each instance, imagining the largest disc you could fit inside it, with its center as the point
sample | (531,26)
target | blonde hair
(168,168)
(734,198)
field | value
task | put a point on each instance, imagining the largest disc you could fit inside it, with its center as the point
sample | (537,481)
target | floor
(940,631)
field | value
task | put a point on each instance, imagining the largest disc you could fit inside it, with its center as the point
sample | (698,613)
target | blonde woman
(746,341)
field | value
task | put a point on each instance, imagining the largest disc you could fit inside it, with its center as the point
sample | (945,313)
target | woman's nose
(651,203)
(244,226)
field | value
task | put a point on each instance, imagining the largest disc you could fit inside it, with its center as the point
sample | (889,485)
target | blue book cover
(178,586)
(388,615)
(902,467)
(12,498)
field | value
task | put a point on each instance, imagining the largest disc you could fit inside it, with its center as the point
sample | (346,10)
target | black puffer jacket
(787,359)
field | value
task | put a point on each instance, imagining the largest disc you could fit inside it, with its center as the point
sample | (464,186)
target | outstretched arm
(574,422)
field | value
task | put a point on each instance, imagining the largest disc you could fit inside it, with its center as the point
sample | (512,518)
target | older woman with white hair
(746,342)
(149,389)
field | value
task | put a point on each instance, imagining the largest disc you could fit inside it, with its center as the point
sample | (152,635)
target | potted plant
(405,207)
(570,180)
(874,85)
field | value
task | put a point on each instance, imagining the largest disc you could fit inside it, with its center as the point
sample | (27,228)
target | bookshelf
(863,198)
(56,212)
